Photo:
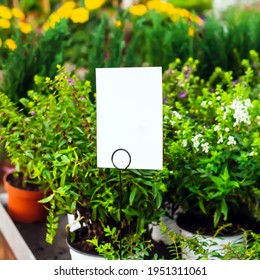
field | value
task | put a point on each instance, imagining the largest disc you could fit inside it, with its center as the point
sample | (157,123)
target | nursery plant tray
(27,241)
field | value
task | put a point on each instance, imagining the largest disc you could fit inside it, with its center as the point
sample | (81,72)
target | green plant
(212,145)
(35,54)
(247,248)
(194,5)
(53,141)
(131,247)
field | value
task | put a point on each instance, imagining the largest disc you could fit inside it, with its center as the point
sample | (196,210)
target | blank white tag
(129,118)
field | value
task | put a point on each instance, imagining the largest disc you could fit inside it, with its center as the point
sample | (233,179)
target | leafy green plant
(194,5)
(212,144)
(131,247)
(53,141)
(35,54)
(247,248)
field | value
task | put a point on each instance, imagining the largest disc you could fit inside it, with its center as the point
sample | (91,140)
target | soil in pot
(78,244)
(23,205)
(203,224)
(79,248)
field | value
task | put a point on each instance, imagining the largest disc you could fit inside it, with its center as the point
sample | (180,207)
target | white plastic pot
(78,255)
(212,244)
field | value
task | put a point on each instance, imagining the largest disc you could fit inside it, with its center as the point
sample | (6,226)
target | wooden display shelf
(14,241)
(27,241)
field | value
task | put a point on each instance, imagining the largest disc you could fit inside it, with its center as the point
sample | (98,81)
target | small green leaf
(131,212)
(47,199)
(217,215)
(217,180)
(159,200)
(132,196)
(224,209)
(202,206)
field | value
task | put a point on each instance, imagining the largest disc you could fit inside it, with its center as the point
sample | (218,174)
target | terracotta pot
(23,205)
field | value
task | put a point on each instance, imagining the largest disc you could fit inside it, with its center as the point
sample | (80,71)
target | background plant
(211,145)
(30,52)
(248,248)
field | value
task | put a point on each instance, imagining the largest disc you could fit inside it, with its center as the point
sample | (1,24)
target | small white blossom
(241,114)
(253,154)
(203,103)
(225,115)
(210,102)
(195,141)
(176,114)
(205,147)
(217,128)
(231,140)
(184,142)
(220,140)
(227,129)
(218,98)
(236,105)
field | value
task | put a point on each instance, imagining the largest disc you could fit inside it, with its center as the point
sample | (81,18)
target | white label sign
(129,118)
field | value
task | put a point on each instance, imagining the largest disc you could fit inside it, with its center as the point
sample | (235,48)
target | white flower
(210,103)
(217,127)
(195,141)
(231,140)
(218,98)
(220,140)
(203,103)
(205,147)
(227,129)
(176,114)
(253,154)
(184,142)
(225,115)
(241,111)
(236,105)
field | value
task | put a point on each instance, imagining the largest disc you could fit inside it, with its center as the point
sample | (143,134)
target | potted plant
(57,140)
(23,193)
(212,150)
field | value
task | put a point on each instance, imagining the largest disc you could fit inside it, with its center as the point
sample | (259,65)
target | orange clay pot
(23,205)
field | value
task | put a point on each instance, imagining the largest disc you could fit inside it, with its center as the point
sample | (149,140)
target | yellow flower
(4,23)
(118,23)
(10,43)
(94,4)
(5,12)
(25,27)
(51,22)
(154,5)
(138,10)
(79,15)
(18,13)
(191,31)
(69,5)
(65,10)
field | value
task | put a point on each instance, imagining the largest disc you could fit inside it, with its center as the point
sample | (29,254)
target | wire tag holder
(120,166)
